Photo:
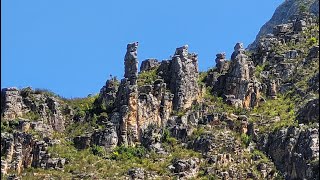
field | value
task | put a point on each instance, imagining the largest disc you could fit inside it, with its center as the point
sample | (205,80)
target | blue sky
(72,46)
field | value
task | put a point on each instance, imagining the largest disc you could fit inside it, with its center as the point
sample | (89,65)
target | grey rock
(82,142)
(283,14)
(292,149)
(131,62)
(292,54)
(108,137)
(240,80)
(186,168)
(136,173)
(309,113)
(108,92)
(184,76)
(22,151)
(149,64)
(221,62)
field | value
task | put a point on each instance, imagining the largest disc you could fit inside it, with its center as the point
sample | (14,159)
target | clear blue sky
(72,46)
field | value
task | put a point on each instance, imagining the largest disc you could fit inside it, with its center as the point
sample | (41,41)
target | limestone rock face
(19,103)
(131,62)
(221,62)
(292,149)
(184,76)
(107,138)
(22,151)
(11,103)
(310,112)
(127,98)
(186,168)
(108,93)
(149,64)
(136,107)
(240,81)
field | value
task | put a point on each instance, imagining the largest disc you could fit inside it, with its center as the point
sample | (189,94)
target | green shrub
(127,153)
(312,41)
(245,139)
(165,135)
(34,116)
(283,107)
(260,156)
(147,77)
(98,150)
(197,133)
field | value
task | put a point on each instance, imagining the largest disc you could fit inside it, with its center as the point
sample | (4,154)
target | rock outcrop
(185,168)
(221,62)
(127,98)
(295,151)
(12,106)
(149,64)
(108,94)
(309,113)
(137,106)
(284,13)
(184,76)
(33,104)
(240,83)
(22,151)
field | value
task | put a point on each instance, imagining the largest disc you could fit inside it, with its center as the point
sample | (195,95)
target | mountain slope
(283,14)
(253,117)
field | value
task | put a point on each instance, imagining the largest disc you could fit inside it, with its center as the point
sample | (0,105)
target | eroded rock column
(184,76)
(127,98)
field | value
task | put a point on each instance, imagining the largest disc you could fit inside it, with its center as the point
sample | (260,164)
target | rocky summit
(254,115)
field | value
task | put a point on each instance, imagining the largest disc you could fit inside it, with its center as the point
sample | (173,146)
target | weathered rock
(240,80)
(108,92)
(184,76)
(22,151)
(221,62)
(309,113)
(272,89)
(292,54)
(149,64)
(131,63)
(203,144)
(136,173)
(283,14)
(82,142)
(185,168)
(56,119)
(11,103)
(127,98)
(18,103)
(108,137)
(313,52)
(151,139)
(292,149)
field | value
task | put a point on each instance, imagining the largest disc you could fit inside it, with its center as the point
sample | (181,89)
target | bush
(98,150)
(256,154)
(166,138)
(32,116)
(197,133)
(147,77)
(127,153)
(245,139)
(312,41)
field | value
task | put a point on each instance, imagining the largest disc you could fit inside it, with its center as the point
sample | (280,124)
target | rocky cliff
(255,116)
(284,13)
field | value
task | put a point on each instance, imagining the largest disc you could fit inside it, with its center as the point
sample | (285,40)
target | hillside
(253,116)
